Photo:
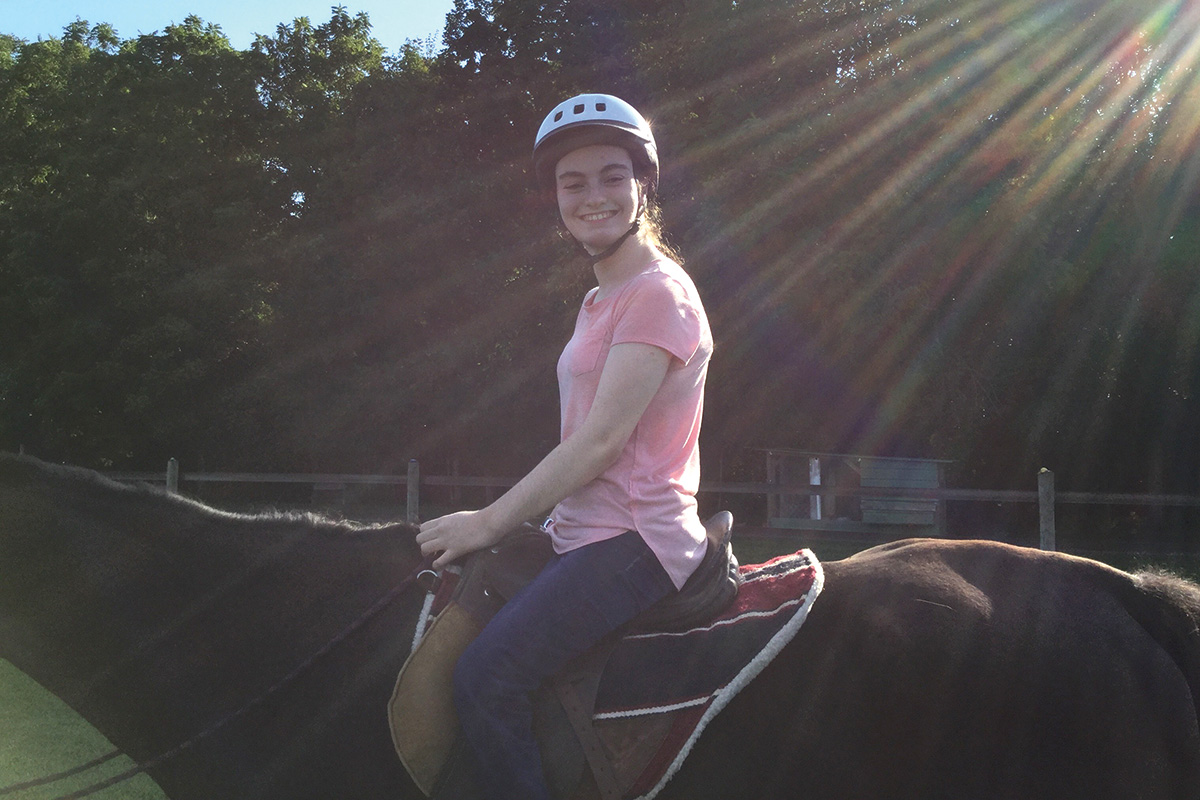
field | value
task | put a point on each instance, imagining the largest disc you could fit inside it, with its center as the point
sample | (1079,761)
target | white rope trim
(719,623)
(422,621)
(722,697)
(641,712)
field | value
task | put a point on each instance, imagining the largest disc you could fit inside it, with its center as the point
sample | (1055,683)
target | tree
(136,212)
(937,228)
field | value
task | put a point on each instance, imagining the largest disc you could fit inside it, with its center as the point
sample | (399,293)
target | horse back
(948,669)
(1019,651)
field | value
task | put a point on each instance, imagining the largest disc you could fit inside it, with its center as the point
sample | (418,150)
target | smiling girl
(622,481)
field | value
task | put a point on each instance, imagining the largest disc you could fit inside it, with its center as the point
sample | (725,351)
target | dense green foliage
(922,227)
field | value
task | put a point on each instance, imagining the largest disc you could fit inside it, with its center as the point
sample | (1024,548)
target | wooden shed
(823,508)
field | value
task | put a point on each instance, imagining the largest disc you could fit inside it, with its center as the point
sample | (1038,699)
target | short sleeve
(657,309)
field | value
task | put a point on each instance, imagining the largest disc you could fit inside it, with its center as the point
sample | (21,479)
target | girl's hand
(456,535)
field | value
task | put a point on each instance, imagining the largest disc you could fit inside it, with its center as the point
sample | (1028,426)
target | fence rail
(1046,497)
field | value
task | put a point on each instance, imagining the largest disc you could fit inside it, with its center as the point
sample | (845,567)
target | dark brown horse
(927,669)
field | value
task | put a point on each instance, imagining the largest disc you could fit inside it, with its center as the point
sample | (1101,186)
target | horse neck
(102,580)
(157,620)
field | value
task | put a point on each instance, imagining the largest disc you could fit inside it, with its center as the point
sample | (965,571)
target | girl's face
(598,195)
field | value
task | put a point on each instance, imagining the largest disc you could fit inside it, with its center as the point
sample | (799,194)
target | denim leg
(574,602)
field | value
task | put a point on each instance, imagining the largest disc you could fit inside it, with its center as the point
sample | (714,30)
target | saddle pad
(688,677)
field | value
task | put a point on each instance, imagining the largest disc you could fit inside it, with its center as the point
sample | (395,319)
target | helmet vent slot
(579,108)
(602,106)
(558,117)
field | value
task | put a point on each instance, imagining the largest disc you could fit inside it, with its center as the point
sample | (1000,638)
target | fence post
(1046,508)
(413,504)
(772,477)
(173,476)
(814,479)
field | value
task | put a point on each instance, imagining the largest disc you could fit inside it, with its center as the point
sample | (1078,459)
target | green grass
(40,736)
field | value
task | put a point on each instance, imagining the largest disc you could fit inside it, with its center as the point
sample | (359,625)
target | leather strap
(570,694)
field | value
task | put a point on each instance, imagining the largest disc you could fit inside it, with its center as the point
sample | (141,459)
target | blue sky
(392,21)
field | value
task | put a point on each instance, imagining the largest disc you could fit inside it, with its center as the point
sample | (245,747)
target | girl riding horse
(622,481)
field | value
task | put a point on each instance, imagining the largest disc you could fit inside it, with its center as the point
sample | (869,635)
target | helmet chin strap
(596,258)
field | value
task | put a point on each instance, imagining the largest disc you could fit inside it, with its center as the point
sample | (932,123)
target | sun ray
(1037,107)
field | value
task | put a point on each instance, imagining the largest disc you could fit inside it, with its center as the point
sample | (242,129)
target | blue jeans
(577,599)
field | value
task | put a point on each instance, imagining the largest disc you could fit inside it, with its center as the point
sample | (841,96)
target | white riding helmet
(588,119)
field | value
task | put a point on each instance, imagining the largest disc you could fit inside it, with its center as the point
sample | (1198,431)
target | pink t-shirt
(652,485)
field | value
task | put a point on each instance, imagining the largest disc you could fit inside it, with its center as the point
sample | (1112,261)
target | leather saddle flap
(421,712)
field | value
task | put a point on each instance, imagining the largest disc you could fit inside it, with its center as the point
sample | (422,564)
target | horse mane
(66,480)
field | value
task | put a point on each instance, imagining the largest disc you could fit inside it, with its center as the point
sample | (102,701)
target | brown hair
(652,231)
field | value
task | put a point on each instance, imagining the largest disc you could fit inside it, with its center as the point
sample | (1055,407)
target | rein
(383,602)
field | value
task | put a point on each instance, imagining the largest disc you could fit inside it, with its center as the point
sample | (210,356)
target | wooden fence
(1046,497)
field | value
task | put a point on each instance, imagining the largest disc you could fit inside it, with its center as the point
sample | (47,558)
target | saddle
(421,712)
